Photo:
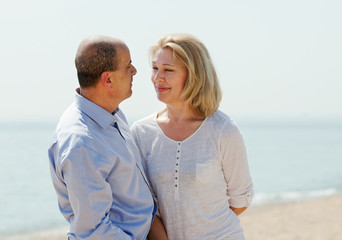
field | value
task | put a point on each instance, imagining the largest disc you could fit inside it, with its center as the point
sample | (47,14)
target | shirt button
(176,170)
(176,164)
(176,178)
(176,185)
(178,151)
(177,157)
(248,195)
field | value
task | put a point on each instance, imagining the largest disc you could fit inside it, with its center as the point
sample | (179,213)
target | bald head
(94,56)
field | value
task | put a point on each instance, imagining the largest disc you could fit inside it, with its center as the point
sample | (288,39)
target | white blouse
(197,179)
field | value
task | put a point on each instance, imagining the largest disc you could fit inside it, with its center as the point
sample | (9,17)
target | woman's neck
(180,113)
(178,123)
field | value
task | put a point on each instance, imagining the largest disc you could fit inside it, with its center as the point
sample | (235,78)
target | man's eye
(154,68)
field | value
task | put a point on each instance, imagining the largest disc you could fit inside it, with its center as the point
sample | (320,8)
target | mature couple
(180,173)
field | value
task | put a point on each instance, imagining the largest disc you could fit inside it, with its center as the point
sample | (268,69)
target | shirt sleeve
(235,168)
(136,137)
(90,196)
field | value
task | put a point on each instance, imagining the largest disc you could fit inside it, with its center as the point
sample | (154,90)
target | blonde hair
(202,89)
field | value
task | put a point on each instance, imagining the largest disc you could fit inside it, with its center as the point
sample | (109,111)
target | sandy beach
(315,219)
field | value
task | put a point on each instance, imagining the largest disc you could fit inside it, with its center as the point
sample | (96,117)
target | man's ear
(105,80)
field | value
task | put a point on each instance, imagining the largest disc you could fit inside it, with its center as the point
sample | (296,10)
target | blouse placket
(176,179)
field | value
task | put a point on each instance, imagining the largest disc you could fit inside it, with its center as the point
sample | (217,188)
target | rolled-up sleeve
(84,172)
(235,168)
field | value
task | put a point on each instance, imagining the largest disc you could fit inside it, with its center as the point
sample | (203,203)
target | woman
(193,154)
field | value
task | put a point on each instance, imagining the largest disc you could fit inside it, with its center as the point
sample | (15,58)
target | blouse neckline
(175,141)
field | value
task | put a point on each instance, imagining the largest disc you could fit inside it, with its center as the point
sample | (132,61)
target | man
(95,166)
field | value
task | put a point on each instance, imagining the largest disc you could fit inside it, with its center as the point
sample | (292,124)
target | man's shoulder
(73,136)
(72,127)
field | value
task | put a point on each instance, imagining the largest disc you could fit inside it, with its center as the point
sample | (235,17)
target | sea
(289,160)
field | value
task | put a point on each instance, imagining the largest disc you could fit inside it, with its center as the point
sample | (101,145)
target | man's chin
(129,94)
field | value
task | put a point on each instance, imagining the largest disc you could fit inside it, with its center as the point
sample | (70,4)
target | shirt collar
(95,112)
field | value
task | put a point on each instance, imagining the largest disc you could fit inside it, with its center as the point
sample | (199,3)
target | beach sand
(315,219)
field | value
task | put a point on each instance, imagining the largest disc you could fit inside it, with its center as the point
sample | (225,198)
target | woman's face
(168,76)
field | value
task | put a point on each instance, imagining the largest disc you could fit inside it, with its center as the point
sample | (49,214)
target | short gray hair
(93,59)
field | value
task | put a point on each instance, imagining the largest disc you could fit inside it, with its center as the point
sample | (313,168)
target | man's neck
(99,98)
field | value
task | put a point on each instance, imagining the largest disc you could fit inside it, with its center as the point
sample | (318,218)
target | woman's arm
(236,170)
(157,231)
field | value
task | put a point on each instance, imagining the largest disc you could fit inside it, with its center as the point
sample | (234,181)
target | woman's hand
(157,231)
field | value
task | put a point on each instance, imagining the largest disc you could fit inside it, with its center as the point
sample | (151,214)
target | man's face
(122,77)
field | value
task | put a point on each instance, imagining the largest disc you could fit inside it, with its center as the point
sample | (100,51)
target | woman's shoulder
(222,122)
(146,122)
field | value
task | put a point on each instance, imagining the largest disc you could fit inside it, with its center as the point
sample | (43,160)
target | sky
(274,58)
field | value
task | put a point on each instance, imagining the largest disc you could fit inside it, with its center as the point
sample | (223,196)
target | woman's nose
(157,76)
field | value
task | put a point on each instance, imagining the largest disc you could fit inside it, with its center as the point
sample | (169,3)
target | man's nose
(134,70)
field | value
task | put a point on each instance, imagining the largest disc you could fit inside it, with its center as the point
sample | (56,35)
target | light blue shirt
(96,170)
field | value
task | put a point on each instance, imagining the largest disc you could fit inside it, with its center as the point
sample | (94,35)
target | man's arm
(90,196)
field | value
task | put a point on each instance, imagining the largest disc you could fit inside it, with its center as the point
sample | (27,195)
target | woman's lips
(162,89)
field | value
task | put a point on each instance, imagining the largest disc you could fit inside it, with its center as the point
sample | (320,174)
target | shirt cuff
(241,201)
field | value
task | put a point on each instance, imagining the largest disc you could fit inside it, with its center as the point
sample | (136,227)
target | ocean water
(294,160)
(288,161)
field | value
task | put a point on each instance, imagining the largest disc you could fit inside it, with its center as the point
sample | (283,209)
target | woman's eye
(168,70)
